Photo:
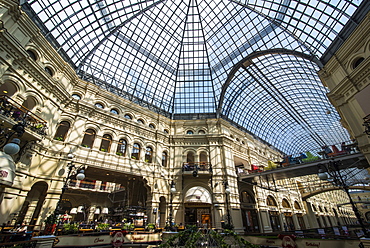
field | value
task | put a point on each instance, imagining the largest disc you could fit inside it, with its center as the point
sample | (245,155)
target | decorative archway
(249,212)
(32,206)
(198,203)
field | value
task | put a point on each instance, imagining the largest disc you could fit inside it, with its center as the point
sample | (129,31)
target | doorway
(199,216)
(250,221)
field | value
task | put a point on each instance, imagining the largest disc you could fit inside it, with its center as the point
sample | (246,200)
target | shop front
(198,210)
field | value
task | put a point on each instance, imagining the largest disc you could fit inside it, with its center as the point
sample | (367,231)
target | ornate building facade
(140,166)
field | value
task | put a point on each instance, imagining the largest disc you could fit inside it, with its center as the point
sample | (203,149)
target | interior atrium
(178,113)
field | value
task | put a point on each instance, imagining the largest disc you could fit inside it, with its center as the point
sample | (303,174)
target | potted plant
(38,126)
(128,226)
(103,150)
(50,224)
(151,226)
(102,227)
(119,153)
(70,228)
(59,138)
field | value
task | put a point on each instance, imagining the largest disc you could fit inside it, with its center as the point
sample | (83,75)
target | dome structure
(253,63)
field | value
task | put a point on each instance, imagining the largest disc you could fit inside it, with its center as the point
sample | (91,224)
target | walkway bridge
(322,190)
(346,161)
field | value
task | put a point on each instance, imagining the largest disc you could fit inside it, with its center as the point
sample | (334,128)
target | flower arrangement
(102,227)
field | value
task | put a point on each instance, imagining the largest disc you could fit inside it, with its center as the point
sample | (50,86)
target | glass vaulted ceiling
(252,62)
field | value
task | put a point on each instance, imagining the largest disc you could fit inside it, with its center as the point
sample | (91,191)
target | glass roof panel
(174,57)
(278,98)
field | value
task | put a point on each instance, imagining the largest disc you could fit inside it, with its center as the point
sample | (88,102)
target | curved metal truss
(175,56)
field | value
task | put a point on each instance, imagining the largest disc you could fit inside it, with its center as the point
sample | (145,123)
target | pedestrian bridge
(346,161)
(322,190)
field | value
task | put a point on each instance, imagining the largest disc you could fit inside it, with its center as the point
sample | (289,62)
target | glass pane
(174,58)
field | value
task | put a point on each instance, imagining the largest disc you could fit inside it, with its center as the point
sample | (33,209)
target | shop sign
(288,241)
(312,244)
(7,169)
(118,239)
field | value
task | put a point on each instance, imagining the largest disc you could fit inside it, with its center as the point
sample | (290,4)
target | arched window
(114,111)
(270,201)
(296,205)
(164,159)
(165,131)
(49,71)
(99,105)
(135,151)
(29,103)
(76,96)
(8,88)
(127,116)
(285,203)
(151,125)
(32,55)
(357,62)
(89,138)
(247,198)
(201,132)
(190,157)
(62,130)
(189,132)
(105,143)
(121,148)
(148,155)
(140,121)
(203,158)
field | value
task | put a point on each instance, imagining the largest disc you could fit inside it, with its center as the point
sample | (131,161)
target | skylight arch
(173,57)
(268,107)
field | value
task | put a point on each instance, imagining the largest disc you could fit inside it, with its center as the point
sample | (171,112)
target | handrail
(21,114)
(198,166)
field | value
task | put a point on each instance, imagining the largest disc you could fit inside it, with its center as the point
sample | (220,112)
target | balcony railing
(367,124)
(20,114)
(197,166)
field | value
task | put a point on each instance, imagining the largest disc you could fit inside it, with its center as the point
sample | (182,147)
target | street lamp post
(227,192)
(7,134)
(172,190)
(7,164)
(332,169)
(72,170)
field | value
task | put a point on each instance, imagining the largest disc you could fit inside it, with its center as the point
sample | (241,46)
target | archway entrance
(33,203)
(198,207)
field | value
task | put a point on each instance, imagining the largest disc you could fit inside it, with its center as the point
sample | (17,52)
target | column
(296,222)
(265,221)
(31,209)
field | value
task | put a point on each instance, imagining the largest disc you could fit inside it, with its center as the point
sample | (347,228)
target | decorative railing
(20,114)
(323,153)
(197,166)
